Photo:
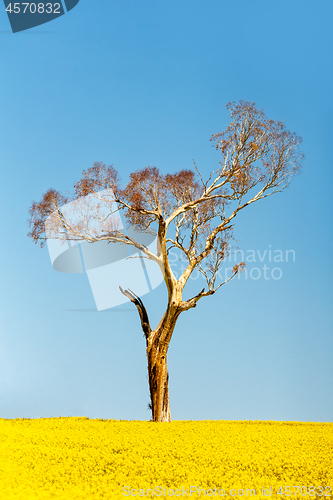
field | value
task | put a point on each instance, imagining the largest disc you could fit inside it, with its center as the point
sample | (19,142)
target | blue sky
(137,83)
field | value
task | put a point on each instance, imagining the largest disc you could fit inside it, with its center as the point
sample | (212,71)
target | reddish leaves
(149,194)
(96,178)
(39,212)
(239,268)
(256,150)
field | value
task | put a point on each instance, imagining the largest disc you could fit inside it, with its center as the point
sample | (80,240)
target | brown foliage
(96,178)
(149,194)
(256,150)
(40,211)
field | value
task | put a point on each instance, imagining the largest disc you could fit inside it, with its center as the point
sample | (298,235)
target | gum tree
(258,158)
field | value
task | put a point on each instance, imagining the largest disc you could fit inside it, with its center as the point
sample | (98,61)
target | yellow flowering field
(78,458)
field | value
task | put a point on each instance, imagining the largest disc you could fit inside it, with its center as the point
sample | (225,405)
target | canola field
(82,459)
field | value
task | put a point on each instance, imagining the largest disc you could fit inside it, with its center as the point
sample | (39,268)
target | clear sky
(146,83)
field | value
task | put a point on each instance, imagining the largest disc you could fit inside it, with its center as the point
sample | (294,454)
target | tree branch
(141,310)
(188,304)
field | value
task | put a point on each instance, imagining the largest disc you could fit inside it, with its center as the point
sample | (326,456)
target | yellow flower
(82,459)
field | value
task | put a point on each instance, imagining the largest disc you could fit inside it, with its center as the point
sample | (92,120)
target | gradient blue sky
(137,83)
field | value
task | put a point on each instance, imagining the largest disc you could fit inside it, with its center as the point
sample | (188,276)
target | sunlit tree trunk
(157,344)
(158,384)
(157,347)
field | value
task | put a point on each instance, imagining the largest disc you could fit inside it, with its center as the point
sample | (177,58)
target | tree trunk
(158,384)
(157,347)
(157,342)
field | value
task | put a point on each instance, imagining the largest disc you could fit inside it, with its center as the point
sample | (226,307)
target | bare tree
(258,158)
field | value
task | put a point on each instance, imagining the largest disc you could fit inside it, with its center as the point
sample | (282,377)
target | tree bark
(157,347)
(158,384)
(157,342)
